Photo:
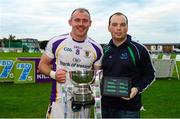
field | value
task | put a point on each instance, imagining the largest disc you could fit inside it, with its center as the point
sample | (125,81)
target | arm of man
(96,67)
(134,91)
(147,75)
(44,67)
(147,72)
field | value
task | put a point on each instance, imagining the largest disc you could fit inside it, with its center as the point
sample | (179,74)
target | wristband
(52,74)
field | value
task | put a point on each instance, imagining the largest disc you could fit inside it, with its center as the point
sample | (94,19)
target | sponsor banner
(7,69)
(39,77)
(24,72)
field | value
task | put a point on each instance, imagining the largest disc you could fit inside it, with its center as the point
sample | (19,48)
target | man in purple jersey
(69,52)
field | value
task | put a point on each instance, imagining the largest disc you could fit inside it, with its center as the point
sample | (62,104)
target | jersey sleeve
(146,70)
(48,50)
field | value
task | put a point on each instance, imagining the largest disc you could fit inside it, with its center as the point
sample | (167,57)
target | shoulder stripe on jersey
(151,63)
(136,50)
(98,51)
(56,44)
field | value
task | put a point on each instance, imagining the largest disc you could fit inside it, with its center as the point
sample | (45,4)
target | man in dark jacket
(125,58)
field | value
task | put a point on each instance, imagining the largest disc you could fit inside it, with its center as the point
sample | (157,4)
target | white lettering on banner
(42,76)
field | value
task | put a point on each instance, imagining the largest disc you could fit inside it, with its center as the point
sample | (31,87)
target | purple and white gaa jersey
(72,55)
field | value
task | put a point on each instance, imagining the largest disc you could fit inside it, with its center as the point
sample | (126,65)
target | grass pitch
(24,100)
(161,100)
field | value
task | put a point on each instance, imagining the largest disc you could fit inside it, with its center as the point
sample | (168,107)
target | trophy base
(77,106)
(83,97)
(83,103)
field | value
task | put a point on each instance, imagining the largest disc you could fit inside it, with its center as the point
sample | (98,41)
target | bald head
(81,10)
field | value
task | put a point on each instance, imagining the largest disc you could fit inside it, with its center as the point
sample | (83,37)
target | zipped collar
(126,43)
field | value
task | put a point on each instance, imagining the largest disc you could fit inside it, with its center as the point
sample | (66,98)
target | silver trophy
(86,87)
(82,93)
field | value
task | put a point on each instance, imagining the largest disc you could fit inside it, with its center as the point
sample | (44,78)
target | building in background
(160,47)
(33,45)
(11,46)
(19,45)
(163,47)
(30,44)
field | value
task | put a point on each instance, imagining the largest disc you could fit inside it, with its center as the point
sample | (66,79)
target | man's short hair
(81,10)
(119,14)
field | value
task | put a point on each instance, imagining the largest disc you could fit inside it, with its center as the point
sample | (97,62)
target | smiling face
(118,27)
(80,23)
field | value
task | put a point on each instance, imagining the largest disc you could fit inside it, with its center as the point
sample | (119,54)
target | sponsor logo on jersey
(76,64)
(76,60)
(78,47)
(65,63)
(67,49)
(124,55)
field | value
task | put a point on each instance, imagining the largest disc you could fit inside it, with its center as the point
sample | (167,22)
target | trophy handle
(98,74)
(97,78)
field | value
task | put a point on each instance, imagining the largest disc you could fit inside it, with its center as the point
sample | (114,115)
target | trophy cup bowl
(82,77)
(82,93)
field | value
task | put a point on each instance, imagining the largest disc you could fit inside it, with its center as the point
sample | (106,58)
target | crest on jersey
(87,54)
